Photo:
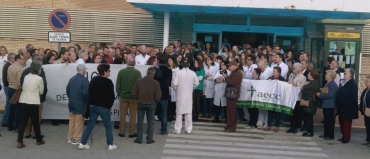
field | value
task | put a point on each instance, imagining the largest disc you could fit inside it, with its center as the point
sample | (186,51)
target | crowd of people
(193,80)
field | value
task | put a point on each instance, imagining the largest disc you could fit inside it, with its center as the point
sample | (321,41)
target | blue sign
(59,20)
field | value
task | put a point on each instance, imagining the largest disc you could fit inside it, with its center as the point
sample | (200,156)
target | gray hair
(298,66)
(35,68)
(350,71)
(10,56)
(81,67)
(37,59)
(151,71)
(130,62)
(20,51)
(81,53)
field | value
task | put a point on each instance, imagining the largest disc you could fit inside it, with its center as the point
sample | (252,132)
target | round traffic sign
(59,20)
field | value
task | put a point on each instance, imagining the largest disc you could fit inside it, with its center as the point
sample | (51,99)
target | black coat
(164,77)
(367,98)
(309,93)
(347,101)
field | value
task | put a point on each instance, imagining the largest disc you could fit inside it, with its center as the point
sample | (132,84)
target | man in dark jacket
(28,130)
(235,81)
(164,77)
(78,94)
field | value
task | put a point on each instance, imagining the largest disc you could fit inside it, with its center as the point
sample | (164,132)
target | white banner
(57,76)
(268,95)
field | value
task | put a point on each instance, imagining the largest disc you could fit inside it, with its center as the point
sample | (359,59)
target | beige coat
(300,79)
(33,87)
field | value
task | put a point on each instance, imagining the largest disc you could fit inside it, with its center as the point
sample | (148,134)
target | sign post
(59,20)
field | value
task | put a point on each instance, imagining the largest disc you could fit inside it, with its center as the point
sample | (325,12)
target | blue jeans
(104,113)
(14,115)
(208,105)
(7,105)
(274,115)
(164,105)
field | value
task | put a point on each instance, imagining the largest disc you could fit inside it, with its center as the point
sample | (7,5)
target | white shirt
(80,61)
(249,71)
(220,53)
(266,74)
(284,68)
(28,62)
(3,60)
(141,60)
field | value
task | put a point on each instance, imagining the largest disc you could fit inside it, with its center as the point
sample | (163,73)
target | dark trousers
(14,116)
(367,126)
(253,114)
(329,122)
(171,109)
(29,111)
(197,98)
(345,129)
(274,115)
(141,110)
(218,111)
(296,119)
(207,106)
(309,123)
(231,113)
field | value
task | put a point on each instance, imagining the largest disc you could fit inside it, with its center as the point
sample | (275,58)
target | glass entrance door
(289,43)
(212,38)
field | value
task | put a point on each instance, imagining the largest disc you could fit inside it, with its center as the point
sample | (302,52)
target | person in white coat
(266,72)
(220,87)
(209,86)
(184,83)
(172,64)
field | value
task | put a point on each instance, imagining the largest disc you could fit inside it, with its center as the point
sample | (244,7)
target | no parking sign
(59,20)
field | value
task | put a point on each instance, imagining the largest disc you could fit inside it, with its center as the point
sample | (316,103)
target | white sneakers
(74,142)
(69,141)
(112,147)
(81,146)
(176,132)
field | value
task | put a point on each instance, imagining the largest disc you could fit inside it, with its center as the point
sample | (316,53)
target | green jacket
(200,73)
(126,80)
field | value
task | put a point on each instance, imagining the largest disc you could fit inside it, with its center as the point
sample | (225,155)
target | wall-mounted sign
(208,39)
(350,48)
(344,35)
(61,37)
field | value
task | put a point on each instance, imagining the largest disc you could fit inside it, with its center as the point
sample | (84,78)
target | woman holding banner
(328,95)
(276,75)
(308,93)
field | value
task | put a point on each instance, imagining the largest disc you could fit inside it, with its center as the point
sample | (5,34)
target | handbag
(324,90)
(231,93)
(304,103)
(15,98)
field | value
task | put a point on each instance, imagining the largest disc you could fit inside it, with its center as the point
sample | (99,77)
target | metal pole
(59,46)
(166,29)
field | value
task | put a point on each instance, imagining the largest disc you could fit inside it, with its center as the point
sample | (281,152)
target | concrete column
(166,29)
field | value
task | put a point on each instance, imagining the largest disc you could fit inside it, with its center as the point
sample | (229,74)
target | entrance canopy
(342,9)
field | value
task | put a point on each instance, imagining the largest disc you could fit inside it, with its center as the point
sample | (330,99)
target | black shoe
(243,120)
(295,131)
(0,135)
(11,129)
(150,142)
(121,135)
(34,137)
(328,138)
(164,133)
(307,134)
(4,125)
(344,142)
(138,142)
(340,140)
(303,129)
(29,136)
(322,136)
(132,136)
(290,130)
(116,126)
(203,116)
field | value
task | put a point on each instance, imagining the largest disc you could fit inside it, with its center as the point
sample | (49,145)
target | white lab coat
(249,71)
(172,91)
(184,83)
(220,91)
(209,84)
